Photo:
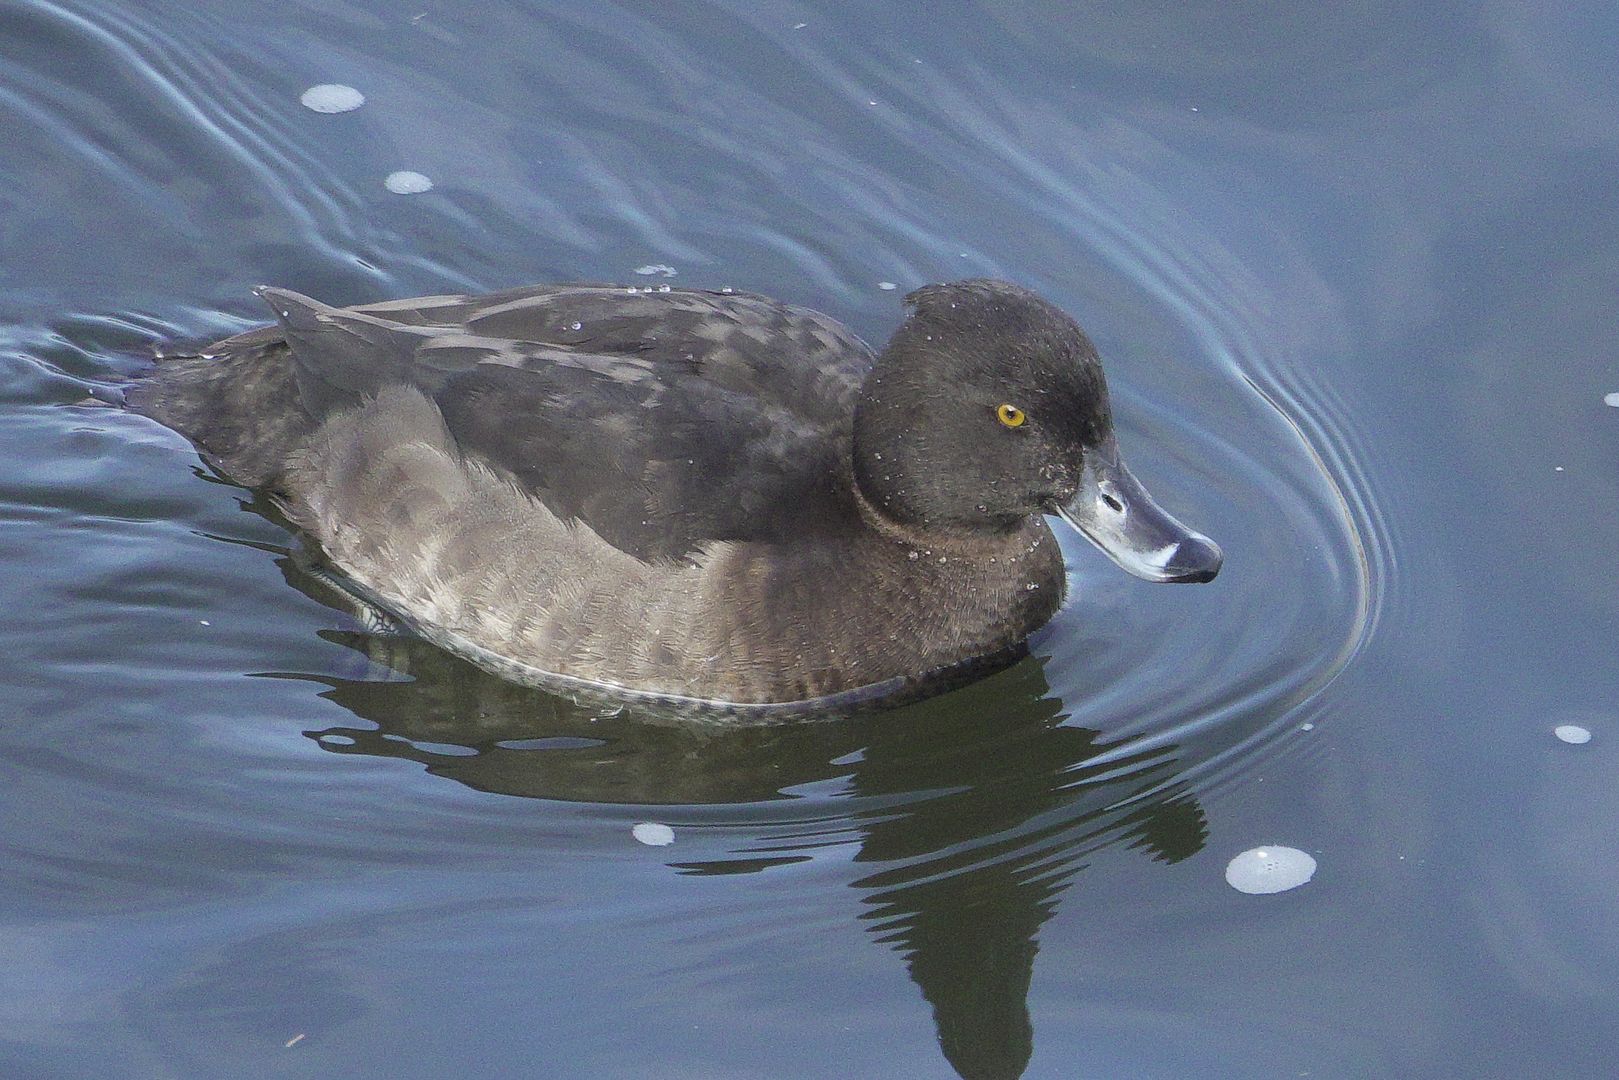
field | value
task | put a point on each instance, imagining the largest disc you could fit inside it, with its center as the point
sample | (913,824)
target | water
(1353,274)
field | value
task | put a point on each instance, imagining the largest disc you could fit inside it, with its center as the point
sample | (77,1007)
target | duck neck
(963,543)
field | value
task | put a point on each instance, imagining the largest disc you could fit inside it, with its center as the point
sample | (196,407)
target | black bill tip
(1196,559)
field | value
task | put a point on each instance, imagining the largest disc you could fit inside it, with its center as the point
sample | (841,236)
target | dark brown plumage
(700,497)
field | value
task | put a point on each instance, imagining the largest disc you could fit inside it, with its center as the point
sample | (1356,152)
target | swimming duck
(691,497)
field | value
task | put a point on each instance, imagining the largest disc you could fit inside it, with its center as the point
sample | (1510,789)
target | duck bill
(1113,511)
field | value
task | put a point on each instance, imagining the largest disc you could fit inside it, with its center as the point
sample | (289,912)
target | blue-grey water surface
(1355,272)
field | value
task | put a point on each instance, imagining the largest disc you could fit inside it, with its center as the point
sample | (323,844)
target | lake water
(1354,272)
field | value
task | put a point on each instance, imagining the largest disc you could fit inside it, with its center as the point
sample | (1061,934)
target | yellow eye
(1011,415)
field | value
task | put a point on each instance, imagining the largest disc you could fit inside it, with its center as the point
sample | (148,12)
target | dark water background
(1354,271)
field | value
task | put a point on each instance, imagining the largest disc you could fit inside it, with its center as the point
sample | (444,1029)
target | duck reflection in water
(974,811)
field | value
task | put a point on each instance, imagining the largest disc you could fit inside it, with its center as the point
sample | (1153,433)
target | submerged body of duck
(696,497)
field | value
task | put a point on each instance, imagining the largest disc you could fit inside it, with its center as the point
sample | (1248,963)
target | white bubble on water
(887,286)
(1269,869)
(1611,399)
(1572,733)
(332,98)
(405,182)
(653,834)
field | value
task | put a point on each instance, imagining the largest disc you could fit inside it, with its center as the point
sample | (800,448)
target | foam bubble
(653,834)
(1611,399)
(332,98)
(1269,869)
(1572,733)
(405,182)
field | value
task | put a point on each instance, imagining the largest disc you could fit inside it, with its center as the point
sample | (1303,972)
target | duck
(693,498)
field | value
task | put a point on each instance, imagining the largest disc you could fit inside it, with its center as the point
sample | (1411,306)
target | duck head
(989,406)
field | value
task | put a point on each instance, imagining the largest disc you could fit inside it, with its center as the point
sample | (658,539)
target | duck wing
(663,421)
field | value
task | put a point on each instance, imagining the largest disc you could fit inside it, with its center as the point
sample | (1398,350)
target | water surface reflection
(971,814)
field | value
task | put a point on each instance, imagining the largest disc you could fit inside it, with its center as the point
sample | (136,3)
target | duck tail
(237,400)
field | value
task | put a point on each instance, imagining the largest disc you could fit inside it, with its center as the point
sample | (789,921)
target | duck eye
(1011,415)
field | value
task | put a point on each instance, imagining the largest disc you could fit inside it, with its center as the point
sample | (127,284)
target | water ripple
(794,162)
